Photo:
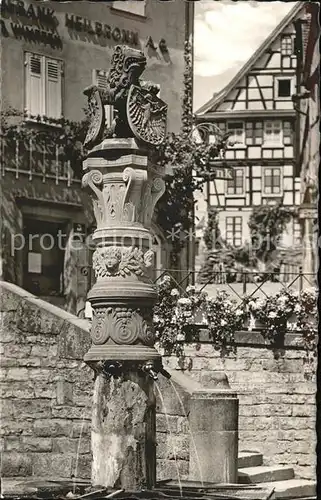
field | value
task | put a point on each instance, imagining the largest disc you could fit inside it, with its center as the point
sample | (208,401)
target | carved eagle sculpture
(138,110)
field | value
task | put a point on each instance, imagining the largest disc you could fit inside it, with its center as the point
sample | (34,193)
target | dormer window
(287,45)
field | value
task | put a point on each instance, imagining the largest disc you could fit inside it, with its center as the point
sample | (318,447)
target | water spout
(165,373)
(112,368)
(149,369)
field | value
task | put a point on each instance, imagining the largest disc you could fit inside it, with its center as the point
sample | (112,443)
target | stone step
(292,488)
(249,459)
(264,474)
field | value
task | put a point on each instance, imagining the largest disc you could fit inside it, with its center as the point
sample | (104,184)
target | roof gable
(219,97)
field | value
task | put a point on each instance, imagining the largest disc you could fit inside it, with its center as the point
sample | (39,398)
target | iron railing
(249,283)
(28,158)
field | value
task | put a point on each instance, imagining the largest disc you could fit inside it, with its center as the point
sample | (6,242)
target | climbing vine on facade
(267,224)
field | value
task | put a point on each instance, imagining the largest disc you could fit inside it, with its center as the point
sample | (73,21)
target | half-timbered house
(257,108)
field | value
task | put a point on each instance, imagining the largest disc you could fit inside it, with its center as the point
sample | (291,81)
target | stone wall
(47,391)
(277,411)
(46,388)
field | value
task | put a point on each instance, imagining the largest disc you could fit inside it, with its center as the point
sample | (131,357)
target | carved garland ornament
(118,261)
(123,326)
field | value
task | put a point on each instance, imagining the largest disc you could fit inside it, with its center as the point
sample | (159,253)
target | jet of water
(170,433)
(190,431)
(78,451)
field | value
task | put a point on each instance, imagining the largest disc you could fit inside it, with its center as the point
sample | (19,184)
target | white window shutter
(34,84)
(53,89)
(100,80)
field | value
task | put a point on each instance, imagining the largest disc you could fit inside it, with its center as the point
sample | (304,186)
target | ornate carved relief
(140,112)
(99,329)
(114,197)
(154,190)
(92,179)
(131,199)
(122,325)
(136,181)
(121,261)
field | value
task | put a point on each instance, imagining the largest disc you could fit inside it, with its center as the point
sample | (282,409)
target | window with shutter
(100,80)
(53,89)
(43,95)
(34,85)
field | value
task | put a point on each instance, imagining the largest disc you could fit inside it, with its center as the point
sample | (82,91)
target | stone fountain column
(126,188)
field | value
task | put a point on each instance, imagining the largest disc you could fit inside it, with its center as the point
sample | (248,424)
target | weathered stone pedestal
(123,432)
(214,427)
(126,188)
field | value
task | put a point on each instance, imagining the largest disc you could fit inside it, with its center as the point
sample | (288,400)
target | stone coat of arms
(138,111)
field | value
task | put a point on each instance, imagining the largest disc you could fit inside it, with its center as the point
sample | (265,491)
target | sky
(226,34)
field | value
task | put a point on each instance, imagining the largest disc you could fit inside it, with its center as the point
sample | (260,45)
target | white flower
(183,301)
(251,323)
(292,326)
(204,319)
(190,288)
(223,322)
(174,292)
(239,312)
(156,318)
(272,315)
(180,336)
(297,308)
